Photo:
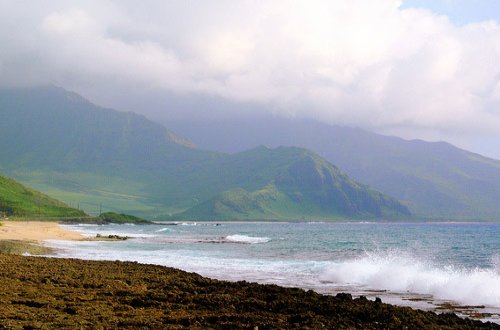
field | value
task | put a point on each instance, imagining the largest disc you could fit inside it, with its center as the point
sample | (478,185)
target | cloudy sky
(415,68)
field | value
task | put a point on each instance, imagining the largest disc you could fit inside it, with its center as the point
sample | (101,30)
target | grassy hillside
(296,184)
(18,200)
(113,161)
(120,218)
(434,179)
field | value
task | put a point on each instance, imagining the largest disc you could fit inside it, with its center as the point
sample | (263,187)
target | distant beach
(36,231)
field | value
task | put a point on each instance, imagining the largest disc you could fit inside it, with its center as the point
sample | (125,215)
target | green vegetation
(120,218)
(18,200)
(434,179)
(102,159)
(93,192)
(240,204)
(308,188)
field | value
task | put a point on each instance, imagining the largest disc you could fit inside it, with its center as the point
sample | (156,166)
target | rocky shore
(50,293)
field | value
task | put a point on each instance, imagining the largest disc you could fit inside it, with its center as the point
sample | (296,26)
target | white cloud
(70,22)
(358,62)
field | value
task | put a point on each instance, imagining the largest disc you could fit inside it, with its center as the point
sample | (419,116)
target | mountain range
(60,143)
(434,179)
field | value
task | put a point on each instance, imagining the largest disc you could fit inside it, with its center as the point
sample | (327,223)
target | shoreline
(41,292)
(36,231)
(362,222)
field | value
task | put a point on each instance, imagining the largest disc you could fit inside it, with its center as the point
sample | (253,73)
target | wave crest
(405,274)
(246,239)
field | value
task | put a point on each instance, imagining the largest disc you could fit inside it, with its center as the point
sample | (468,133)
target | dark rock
(70,293)
(344,296)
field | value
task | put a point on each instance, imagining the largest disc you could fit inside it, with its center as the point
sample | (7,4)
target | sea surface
(430,266)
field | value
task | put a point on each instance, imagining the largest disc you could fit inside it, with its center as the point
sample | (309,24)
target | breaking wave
(402,273)
(246,239)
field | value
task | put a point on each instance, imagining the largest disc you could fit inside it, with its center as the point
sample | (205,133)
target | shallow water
(421,265)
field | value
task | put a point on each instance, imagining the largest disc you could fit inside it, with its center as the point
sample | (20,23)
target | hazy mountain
(433,179)
(299,187)
(74,150)
(50,127)
(18,200)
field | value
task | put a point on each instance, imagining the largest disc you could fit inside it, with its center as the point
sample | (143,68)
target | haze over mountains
(60,143)
(434,179)
(64,145)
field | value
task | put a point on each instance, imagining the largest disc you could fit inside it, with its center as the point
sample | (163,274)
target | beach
(36,231)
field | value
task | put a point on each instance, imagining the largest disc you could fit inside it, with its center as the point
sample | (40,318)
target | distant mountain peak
(434,179)
(77,130)
(58,141)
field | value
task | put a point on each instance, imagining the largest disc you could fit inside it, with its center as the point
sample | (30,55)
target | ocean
(431,266)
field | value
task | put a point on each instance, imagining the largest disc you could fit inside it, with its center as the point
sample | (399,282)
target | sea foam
(164,229)
(401,273)
(247,239)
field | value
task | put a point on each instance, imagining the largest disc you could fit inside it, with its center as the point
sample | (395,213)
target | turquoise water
(420,264)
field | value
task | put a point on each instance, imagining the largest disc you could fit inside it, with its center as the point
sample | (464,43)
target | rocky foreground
(52,293)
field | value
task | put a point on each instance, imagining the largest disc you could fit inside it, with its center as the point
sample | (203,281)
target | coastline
(35,232)
(40,292)
(264,222)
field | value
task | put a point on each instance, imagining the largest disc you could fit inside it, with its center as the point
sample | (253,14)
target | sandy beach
(35,231)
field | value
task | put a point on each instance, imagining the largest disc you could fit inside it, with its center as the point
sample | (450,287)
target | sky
(427,69)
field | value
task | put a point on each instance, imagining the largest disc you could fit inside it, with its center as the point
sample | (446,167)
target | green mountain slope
(78,152)
(61,144)
(302,188)
(18,200)
(57,129)
(434,179)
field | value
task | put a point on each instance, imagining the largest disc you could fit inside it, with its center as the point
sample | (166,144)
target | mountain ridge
(78,151)
(434,179)
(308,180)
